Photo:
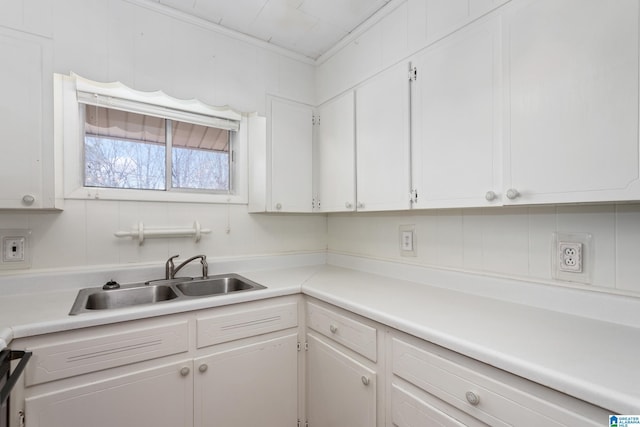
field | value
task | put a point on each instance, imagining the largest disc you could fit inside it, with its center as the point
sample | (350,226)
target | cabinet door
(26,120)
(157,397)
(456,119)
(382,141)
(254,385)
(335,155)
(340,391)
(291,137)
(572,119)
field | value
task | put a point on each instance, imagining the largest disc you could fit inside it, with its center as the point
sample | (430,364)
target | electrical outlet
(407,234)
(572,257)
(15,249)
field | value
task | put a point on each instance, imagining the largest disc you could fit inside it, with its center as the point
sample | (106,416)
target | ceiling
(307,27)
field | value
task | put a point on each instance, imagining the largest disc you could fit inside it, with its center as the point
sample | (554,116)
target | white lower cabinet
(488,395)
(254,385)
(341,391)
(225,367)
(241,365)
(159,397)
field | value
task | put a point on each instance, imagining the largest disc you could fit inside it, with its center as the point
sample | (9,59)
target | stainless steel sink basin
(217,286)
(163,291)
(116,298)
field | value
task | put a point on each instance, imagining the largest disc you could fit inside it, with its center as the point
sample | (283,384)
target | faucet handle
(205,266)
(168,267)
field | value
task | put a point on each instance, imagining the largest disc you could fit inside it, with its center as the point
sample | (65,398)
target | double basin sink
(160,291)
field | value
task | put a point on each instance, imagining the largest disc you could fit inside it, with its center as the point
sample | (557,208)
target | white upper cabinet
(571,122)
(286,184)
(456,119)
(335,155)
(445,16)
(382,141)
(27,179)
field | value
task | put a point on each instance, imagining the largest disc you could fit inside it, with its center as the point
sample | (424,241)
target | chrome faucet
(170,270)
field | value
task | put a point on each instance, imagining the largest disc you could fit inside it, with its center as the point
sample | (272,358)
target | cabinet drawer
(234,323)
(75,357)
(355,335)
(502,399)
(412,407)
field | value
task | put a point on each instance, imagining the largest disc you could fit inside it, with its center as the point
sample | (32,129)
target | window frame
(69,137)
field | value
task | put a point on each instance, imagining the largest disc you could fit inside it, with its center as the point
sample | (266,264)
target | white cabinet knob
(490,196)
(365,380)
(278,206)
(472,398)
(185,371)
(28,199)
(348,205)
(512,194)
(203,368)
(333,329)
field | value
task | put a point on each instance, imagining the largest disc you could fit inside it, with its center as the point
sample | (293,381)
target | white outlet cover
(566,267)
(407,238)
(16,253)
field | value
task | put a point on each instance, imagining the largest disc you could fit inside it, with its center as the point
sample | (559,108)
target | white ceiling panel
(282,24)
(343,14)
(307,27)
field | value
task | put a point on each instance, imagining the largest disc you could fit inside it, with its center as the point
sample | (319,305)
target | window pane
(124,150)
(200,157)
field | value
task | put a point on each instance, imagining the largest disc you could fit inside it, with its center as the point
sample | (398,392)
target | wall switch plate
(408,244)
(15,249)
(572,257)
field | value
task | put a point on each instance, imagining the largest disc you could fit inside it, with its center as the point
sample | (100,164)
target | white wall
(109,40)
(506,241)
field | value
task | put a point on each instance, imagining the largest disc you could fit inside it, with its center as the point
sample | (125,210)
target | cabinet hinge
(315,120)
(21,419)
(315,203)
(413,196)
(413,73)
(306,424)
(303,346)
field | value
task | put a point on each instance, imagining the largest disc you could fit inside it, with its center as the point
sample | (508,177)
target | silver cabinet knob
(360,205)
(365,380)
(512,194)
(203,368)
(472,398)
(278,206)
(28,199)
(185,371)
(490,196)
(348,205)
(333,329)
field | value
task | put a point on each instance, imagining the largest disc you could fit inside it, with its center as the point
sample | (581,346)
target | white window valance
(118,96)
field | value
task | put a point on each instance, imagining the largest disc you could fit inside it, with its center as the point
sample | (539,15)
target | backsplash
(512,241)
(83,234)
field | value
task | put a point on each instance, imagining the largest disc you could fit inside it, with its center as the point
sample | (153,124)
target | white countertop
(590,359)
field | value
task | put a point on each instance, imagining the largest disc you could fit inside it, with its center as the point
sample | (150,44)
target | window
(122,144)
(130,150)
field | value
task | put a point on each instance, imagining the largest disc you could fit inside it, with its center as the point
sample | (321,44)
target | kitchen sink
(116,298)
(217,286)
(179,289)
